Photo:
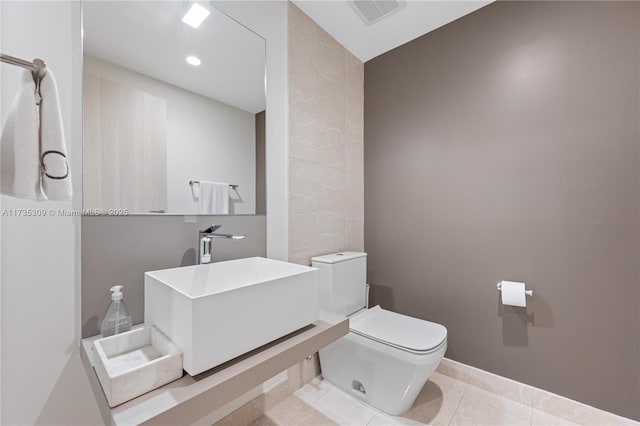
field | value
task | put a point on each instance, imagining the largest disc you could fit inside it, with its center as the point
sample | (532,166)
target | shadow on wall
(90,326)
(189,258)
(516,320)
(380,293)
(78,408)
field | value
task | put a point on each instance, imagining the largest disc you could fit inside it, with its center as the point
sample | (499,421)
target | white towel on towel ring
(214,198)
(20,151)
(56,174)
(34,163)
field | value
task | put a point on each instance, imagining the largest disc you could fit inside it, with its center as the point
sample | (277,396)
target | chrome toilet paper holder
(527,292)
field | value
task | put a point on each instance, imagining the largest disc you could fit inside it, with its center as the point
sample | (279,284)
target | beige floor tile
(343,408)
(541,418)
(264,420)
(312,392)
(438,400)
(385,420)
(499,402)
(448,383)
(574,411)
(472,412)
(317,419)
(443,401)
(293,412)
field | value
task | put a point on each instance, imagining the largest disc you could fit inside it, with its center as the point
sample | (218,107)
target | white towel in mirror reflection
(214,197)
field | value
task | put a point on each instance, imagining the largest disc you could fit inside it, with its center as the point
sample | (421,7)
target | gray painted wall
(505,146)
(119,250)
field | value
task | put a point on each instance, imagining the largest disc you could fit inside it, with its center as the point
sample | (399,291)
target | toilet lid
(401,331)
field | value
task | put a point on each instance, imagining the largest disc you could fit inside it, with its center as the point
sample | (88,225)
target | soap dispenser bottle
(117,319)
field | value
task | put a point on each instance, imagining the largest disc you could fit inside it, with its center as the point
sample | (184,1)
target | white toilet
(386,358)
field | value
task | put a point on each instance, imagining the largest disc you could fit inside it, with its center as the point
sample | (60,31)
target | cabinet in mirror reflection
(153,121)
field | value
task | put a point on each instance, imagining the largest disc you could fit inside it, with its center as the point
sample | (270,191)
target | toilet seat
(399,331)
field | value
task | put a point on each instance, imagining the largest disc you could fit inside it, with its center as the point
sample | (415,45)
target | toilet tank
(343,281)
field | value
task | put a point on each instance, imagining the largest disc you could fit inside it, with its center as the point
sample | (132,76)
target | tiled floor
(444,400)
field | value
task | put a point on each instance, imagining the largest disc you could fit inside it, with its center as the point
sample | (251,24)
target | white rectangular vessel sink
(219,311)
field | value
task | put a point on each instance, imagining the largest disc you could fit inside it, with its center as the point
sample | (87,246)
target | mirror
(174,115)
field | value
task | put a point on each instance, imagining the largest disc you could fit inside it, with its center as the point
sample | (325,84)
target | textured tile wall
(326,150)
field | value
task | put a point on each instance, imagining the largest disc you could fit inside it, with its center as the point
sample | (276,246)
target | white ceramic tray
(136,362)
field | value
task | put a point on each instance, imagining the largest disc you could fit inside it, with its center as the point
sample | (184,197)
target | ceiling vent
(372,11)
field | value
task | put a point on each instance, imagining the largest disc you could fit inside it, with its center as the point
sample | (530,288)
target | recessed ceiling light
(195,15)
(193,60)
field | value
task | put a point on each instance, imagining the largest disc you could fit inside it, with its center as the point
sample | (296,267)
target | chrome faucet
(204,242)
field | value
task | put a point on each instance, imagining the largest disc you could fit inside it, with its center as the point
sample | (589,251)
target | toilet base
(385,377)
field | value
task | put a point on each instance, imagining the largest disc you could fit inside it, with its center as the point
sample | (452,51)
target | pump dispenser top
(116,292)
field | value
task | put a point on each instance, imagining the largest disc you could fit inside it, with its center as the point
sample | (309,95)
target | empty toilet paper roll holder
(527,292)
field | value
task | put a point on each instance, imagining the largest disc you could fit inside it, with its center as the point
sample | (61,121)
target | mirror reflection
(174,109)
